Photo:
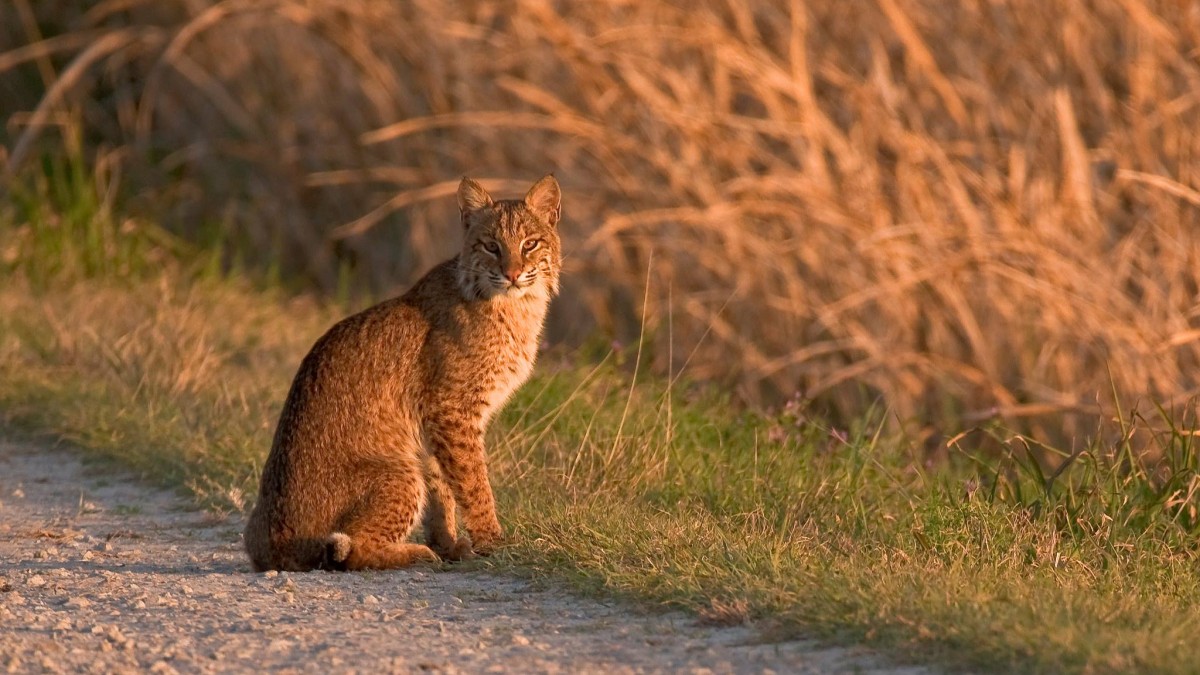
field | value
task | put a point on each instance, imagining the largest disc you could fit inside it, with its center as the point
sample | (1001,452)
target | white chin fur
(527,290)
(514,291)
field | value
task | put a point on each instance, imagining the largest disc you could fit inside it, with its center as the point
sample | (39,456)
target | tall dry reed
(959,210)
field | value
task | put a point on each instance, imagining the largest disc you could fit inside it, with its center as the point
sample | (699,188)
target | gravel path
(101,574)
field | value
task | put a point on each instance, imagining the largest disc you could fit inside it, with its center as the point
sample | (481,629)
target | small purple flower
(776,434)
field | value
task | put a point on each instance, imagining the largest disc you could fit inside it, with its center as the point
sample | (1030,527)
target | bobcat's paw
(424,554)
(486,545)
(459,550)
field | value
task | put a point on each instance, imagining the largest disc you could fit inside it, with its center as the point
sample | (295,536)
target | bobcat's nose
(512,275)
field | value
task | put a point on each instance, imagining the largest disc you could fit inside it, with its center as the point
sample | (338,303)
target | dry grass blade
(71,77)
(1163,183)
(950,208)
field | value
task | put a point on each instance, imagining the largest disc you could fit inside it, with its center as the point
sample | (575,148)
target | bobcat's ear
(472,197)
(545,199)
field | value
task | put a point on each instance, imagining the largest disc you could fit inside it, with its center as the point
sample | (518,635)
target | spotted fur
(383,426)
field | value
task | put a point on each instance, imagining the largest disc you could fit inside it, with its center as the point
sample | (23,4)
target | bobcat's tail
(337,549)
(328,553)
(298,555)
(302,555)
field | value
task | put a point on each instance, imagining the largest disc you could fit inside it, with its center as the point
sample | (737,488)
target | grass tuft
(985,563)
(660,490)
(968,212)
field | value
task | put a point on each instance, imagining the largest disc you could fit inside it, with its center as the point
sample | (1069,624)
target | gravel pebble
(102,574)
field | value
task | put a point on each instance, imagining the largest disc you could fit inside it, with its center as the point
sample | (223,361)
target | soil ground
(100,573)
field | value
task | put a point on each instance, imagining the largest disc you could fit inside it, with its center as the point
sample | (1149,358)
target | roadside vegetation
(881,320)
(965,212)
(653,488)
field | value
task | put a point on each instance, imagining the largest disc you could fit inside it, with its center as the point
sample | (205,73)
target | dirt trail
(102,574)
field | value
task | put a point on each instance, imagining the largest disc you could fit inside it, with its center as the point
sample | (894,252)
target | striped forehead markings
(510,219)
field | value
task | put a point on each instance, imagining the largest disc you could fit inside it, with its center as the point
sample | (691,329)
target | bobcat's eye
(531,244)
(491,247)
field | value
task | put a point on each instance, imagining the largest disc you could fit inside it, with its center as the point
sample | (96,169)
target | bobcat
(385,419)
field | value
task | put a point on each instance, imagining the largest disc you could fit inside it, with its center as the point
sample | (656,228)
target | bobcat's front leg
(458,447)
(441,529)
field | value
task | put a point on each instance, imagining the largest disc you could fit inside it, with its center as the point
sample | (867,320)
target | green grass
(651,489)
(985,563)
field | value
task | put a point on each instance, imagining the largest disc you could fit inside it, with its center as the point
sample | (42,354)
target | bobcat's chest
(511,369)
(514,342)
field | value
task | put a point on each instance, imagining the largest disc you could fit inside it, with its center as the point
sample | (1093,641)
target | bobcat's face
(511,246)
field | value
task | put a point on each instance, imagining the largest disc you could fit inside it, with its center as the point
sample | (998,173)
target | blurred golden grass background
(960,211)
